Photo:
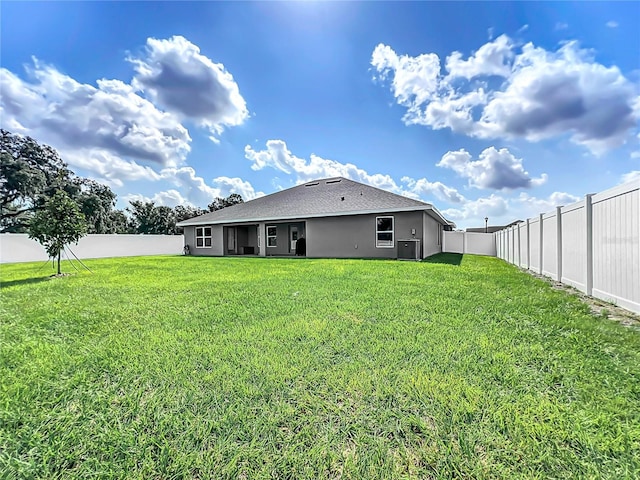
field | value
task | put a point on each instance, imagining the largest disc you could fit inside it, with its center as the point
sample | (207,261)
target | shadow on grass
(446,258)
(23,281)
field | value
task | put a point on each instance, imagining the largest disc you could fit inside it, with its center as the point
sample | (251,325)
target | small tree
(59,223)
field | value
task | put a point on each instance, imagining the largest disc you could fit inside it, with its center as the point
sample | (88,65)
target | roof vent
(312,184)
(338,180)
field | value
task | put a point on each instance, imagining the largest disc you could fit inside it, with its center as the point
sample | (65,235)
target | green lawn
(186,367)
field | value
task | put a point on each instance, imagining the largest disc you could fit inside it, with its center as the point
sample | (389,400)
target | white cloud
(278,157)
(544,94)
(561,26)
(632,176)
(113,129)
(475,210)
(422,187)
(169,198)
(491,59)
(496,169)
(69,115)
(612,24)
(530,206)
(108,167)
(196,190)
(177,76)
(229,185)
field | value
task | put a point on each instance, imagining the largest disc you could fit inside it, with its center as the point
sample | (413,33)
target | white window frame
(274,237)
(203,237)
(378,245)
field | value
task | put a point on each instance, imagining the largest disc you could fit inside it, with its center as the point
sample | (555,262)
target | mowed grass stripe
(186,367)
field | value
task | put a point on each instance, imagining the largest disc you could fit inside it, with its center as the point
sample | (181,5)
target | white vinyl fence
(592,245)
(469,242)
(17,247)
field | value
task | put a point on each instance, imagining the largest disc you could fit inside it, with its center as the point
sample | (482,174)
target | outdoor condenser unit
(409,249)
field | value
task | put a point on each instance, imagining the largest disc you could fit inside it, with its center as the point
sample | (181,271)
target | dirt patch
(598,307)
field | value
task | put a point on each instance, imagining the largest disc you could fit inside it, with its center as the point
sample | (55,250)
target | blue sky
(503,110)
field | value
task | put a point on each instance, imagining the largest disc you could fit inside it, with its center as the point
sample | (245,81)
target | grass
(187,367)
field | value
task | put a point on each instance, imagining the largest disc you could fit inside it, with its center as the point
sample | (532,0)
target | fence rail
(592,245)
(17,247)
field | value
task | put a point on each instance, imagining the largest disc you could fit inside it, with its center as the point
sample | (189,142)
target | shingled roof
(328,197)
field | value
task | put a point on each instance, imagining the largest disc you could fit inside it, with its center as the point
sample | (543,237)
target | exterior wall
(283,246)
(217,242)
(592,245)
(355,236)
(17,247)
(431,242)
(470,243)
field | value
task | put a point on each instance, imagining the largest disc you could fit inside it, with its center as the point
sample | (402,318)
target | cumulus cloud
(492,58)
(118,131)
(71,116)
(109,168)
(196,190)
(532,206)
(495,169)
(491,206)
(542,94)
(169,198)
(175,75)
(423,187)
(279,157)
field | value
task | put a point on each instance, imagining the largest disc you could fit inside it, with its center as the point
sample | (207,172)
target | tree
(57,224)
(96,202)
(219,203)
(29,174)
(150,219)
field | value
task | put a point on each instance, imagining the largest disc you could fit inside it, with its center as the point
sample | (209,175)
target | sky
(502,110)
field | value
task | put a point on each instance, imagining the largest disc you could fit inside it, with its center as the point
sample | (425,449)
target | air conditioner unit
(409,249)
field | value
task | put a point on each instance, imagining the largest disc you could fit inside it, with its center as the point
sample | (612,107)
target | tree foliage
(29,174)
(219,203)
(59,223)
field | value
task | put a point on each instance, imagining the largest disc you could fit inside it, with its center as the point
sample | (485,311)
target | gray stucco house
(336,217)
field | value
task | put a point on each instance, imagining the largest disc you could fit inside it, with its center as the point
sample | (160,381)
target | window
(272,237)
(203,237)
(384,232)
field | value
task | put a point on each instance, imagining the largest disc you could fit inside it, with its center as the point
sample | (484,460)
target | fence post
(528,246)
(588,210)
(519,249)
(541,242)
(559,242)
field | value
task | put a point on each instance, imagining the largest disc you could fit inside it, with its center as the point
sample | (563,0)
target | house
(332,217)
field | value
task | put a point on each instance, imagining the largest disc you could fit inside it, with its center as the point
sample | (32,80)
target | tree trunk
(59,252)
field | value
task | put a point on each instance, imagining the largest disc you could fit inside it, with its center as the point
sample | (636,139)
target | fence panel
(523,248)
(550,245)
(17,247)
(534,244)
(574,246)
(473,243)
(616,246)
